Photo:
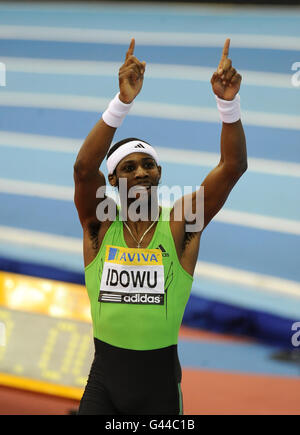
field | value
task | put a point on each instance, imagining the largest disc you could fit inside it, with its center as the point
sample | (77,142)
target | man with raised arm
(139,270)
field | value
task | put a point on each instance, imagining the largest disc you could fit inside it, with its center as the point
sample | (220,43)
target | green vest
(143,291)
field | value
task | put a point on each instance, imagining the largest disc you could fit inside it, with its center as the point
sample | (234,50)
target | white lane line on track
(257,221)
(243,277)
(40,240)
(168,155)
(233,217)
(145,109)
(159,71)
(40,190)
(265,283)
(178,39)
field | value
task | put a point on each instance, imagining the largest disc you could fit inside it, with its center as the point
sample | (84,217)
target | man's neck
(139,220)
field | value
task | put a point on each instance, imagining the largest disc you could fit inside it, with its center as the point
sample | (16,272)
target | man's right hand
(131,76)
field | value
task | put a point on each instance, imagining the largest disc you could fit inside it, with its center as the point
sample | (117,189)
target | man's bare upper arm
(217,186)
(85,196)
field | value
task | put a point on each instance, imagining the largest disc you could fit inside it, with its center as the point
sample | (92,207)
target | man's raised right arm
(87,176)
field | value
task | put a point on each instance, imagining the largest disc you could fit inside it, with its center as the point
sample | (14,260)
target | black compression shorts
(130,382)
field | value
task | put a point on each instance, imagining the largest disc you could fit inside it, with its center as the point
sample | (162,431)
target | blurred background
(59,69)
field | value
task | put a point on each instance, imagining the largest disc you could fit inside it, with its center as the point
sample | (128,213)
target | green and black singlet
(137,297)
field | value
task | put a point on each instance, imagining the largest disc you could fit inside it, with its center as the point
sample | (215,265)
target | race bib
(132,276)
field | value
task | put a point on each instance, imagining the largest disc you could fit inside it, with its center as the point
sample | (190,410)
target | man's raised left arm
(233,154)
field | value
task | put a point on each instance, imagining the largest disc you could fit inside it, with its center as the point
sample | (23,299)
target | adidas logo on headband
(126,149)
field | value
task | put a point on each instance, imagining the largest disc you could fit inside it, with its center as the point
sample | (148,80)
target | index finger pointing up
(226,49)
(130,50)
(224,55)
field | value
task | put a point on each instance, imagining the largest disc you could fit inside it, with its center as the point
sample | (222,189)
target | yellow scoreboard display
(46,341)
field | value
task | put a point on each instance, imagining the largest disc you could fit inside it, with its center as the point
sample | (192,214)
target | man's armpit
(189,235)
(93,233)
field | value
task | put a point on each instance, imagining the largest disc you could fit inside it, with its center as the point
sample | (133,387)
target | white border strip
(168,155)
(145,109)
(73,245)
(98,36)
(233,217)
(153,70)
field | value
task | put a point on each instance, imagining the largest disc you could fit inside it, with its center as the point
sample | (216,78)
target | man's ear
(112,178)
(159,170)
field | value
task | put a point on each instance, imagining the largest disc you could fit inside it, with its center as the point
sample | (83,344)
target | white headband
(134,146)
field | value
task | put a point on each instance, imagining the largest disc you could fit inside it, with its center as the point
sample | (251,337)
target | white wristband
(230,111)
(116,112)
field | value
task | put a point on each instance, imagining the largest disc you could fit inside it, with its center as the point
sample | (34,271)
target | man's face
(139,169)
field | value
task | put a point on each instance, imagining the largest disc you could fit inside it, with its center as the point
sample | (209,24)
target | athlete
(139,271)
